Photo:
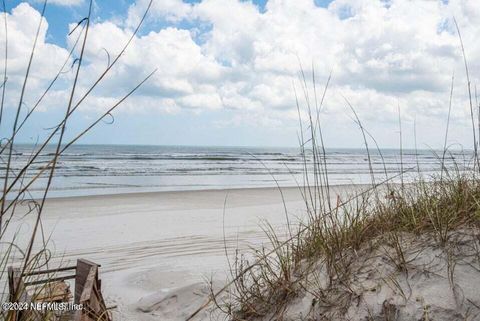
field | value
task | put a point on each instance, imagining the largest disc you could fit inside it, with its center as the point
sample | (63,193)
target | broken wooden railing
(88,302)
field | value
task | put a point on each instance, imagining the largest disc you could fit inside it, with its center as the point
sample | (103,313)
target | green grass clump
(338,226)
(439,208)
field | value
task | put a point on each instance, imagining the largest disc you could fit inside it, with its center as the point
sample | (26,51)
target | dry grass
(440,206)
(437,208)
(16,202)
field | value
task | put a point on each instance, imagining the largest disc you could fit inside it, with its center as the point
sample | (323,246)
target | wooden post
(83,269)
(87,292)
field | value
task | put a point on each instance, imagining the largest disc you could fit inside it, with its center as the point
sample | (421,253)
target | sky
(229,72)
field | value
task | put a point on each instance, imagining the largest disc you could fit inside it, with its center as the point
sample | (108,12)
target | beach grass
(320,255)
(16,202)
(320,260)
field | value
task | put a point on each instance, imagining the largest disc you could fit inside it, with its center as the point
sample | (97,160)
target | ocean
(111,169)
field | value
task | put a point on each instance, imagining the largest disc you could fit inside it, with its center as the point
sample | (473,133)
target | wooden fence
(54,290)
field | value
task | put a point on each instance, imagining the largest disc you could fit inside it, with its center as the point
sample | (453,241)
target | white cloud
(48,59)
(171,10)
(382,54)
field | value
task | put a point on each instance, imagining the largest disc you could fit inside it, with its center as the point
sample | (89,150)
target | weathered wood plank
(83,268)
(60,278)
(89,283)
(87,292)
(67,268)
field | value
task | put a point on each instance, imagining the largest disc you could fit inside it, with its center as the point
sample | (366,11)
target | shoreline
(207,190)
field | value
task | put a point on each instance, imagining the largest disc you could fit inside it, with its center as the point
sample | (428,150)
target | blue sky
(59,16)
(228,70)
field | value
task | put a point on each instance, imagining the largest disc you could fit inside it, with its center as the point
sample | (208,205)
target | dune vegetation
(402,249)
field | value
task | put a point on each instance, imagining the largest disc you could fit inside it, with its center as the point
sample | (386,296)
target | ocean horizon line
(327,148)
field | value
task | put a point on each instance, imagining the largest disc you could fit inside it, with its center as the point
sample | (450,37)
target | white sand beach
(158,250)
(150,243)
(158,132)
